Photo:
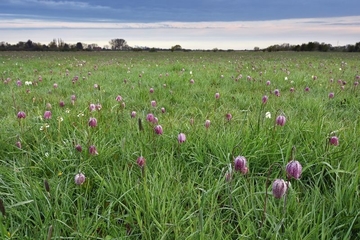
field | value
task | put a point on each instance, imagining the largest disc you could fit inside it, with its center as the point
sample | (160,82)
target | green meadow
(188,189)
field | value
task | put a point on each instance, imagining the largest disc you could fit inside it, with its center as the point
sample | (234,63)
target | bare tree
(118,44)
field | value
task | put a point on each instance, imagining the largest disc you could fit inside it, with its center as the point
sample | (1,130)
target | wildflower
(55,85)
(286,78)
(80,114)
(150,117)
(334,140)
(18,83)
(293,169)
(118,98)
(207,123)
(163,110)
(240,164)
(281,120)
(277,92)
(192,81)
(228,116)
(48,106)
(92,107)
(98,106)
(153,103)
(92,122)
(279,188)
(292,89)
(44,126)
(60,119)
(18,144)
(61,104)
(268,83)
(92,150)
(331,95)
(268,115)
(181,138)
(21,114)
(79,178)
(27,83)
(47,115)
(158,130)
(217,95)
(133,114)
(151,90)
(307,89)
(73,97)
(78,148)
(265,99)
(141,161)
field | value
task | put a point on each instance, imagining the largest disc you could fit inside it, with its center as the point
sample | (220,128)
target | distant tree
(176,48)
(256,49)
(53,44)
(118,44)
(29,45)
(79,46)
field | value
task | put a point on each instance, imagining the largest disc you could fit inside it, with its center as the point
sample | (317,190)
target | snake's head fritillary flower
(61,104)
(92,122)
(268,83)
(163,110)
(181,138)
(331,95)
(151,90)
(279,188)
(18,144)
(334,140)
(150,117)
(240,164)
(277,92)
(141,161)
(153,103)
(265,99)
(133,114)
(47,115)
(281,120)
(92,107)
(307,89)
(207,123)
(92,150)
(73,97)
(118,98)
(192,81)
(293,169)
(228,116)
(158,130)
(217,95)
(79,178)
(55,85)
(78,147)
(21,114)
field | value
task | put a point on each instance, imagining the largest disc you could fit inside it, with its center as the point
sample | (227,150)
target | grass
(181,193)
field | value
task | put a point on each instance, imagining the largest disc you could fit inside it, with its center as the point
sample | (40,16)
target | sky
(193,24)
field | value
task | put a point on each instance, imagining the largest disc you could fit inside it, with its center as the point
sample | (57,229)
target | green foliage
(181,193)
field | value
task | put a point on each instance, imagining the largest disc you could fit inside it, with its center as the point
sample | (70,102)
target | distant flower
(307,89)
(133,114)
(265,99)
(21,114)
(153,103)
(96,86)
(268,115)
(79,178)
(150,117)
(73,97)
(44,126)
(118,98)
(277,92)
(92,122)
(163,110)
(92,107)
(286,78)
(158,130)
(141,161)
(240,164)
(48,106)
(228,116)
(331,95)
(78,147)
(98,106)
(292,89)
(279,188)
(18,144)
(334,140)
(18,83)
(293,169)
(61,104)
(207,123)
(55,85)
(27,83)
(92,150)
(217,95)
(181,138)
(47,115)
(268,82)
(151,90)
(281,120)
(192,81)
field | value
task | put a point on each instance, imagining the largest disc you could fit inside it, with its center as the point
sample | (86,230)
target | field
(91,145)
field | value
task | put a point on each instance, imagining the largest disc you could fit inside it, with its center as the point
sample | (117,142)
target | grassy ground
(182,191)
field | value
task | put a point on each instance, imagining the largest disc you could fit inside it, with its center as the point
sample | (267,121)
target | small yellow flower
(60,173)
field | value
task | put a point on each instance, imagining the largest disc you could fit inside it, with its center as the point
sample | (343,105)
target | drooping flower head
(21,114)
(92,150)
(293,169)
(217,95)
(92,122)
(47,115)
(240,164)
(279,188)
(79,179)
(334,140)
(281,120)
(141,161)
(181,138)
(133,114)
(207,123)
(265,99)
(158,130)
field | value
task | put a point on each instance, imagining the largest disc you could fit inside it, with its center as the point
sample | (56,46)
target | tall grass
(182,192)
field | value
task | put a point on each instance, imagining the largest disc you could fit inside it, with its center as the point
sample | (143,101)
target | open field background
(182,191)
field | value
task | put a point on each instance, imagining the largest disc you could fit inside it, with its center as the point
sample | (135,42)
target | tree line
(119,44)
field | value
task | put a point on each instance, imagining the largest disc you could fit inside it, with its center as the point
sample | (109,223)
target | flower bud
(293,169)
(158,130)
(207,123)
(279,188)
(281,120)
(79,179)
(240,164)
(21,114)
(47,115)
(181,138)
(141,161)
(92,122)
(334,140)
